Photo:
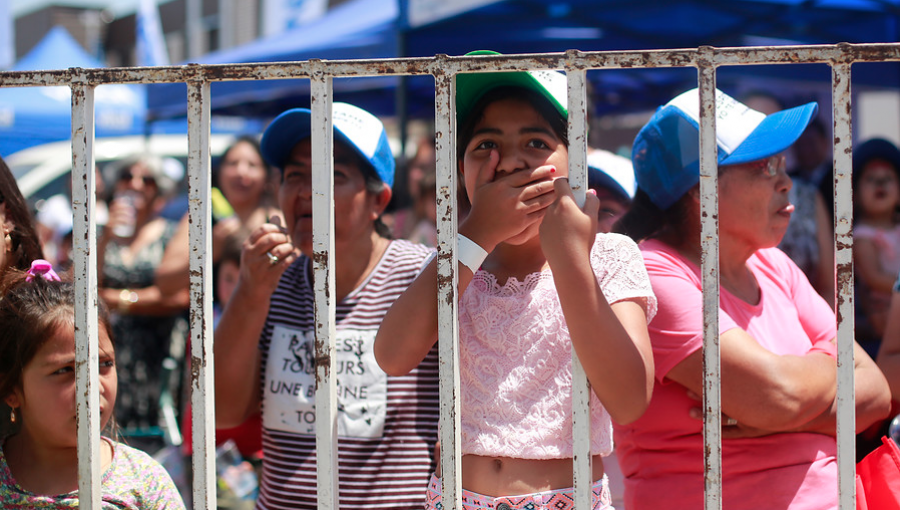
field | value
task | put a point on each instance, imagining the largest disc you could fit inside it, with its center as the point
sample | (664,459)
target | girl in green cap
(535,281)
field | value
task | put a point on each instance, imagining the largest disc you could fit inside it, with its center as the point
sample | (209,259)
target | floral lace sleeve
(621,273)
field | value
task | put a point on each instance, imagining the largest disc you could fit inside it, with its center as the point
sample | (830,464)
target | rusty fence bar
(843,257)
(443,68)
(581,391)
(324,282)
(203,428)
(87,356)
(448,327)
(442,64)
(709,270)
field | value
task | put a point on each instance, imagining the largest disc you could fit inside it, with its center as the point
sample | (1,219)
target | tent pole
(403,86)
(402,114)
(400,100)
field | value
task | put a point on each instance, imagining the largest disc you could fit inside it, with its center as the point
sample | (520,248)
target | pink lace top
(516,361)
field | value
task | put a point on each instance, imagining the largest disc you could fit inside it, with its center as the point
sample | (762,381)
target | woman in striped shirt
(265,354)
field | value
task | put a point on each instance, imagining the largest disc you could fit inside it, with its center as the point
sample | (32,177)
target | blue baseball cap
(353,126)
(613,172)
(666,152)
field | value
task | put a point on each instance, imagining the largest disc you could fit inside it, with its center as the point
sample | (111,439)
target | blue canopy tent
(382,28)
(32,116)
(355,29)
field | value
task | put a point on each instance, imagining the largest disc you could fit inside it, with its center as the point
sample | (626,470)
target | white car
(43,171)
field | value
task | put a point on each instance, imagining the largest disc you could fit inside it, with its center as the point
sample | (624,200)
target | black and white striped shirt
(387,425)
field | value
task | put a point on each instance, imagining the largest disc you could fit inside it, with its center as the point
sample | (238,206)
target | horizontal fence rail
(443,64)
(443,68)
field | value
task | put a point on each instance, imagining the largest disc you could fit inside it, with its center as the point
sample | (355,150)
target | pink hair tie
(41,267)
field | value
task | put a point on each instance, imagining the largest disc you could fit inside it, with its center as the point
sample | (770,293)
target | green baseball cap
(470,87)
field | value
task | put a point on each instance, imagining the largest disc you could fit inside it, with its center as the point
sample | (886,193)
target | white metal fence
(443,68)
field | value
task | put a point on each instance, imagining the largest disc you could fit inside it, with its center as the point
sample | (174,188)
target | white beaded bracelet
(469,253)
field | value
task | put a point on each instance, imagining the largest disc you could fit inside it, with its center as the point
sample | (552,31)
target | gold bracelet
(127,298)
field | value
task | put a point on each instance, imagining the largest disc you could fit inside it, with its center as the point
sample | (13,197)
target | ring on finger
(273,259)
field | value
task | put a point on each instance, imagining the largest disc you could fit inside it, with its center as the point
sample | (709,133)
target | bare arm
(116,217)
(889,353)
(172,272)
(612,342)
(871,396)
(145,301)
(871,393)
(410,328)
(502,208)
(761,389)
(237,335)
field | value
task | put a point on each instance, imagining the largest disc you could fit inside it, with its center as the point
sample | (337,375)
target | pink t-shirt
(887,243)
(661,454)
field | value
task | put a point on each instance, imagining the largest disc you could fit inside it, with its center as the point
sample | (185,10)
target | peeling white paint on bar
(444,70)
(87,352)
(581,389)
(843,257)
(763,55)
(709,271)
(202,380)
(324,285)
(448,300)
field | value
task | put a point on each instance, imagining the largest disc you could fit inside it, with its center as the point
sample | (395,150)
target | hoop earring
(12,414)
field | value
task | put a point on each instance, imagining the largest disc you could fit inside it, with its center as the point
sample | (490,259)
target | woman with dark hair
(129,250)
(777,334)
(243,200)
(18,240)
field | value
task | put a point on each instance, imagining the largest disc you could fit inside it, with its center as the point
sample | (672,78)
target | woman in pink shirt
(776,333)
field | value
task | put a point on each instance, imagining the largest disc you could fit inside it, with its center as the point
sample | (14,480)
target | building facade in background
(211,25)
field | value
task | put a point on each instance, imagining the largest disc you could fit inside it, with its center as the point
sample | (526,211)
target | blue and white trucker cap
(612,172)
(666,152)
(355,127)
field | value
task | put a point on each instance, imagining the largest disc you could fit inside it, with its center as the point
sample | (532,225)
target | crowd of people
(617,279)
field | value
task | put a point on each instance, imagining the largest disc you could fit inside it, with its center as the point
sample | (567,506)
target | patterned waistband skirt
(559,499)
